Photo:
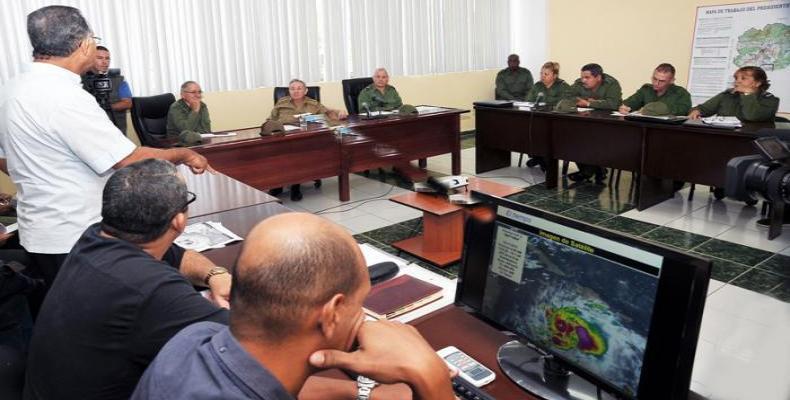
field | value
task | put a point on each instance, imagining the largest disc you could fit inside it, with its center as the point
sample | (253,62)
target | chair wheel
(718,193)
(317,183)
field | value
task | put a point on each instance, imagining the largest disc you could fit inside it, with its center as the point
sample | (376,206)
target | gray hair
(56,31)
(297,80)
(380,69)
(141,199)
(186,84)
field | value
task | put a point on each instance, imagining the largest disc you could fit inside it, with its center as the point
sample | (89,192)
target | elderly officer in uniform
(513,82)
(379,96)
(189,113)
(662,89)
(288,107)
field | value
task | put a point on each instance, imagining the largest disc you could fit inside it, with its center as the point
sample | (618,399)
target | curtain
(244,44)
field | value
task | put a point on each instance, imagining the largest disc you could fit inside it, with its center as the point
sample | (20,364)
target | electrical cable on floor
(361,202)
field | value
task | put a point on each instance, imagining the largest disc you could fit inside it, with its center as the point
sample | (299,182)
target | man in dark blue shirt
(123,291)
(297,300)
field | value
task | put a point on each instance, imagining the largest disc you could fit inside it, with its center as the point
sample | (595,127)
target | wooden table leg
(441,241)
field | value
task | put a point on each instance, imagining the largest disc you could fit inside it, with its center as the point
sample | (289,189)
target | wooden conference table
(317,152)
(660,153)
(439,328)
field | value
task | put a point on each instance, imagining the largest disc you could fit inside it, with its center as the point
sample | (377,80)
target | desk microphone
(366,107)
(539,97)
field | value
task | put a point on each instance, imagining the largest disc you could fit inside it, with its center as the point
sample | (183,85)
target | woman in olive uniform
(749,99)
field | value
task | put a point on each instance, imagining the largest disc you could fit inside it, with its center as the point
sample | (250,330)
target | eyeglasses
(193,91)
(191,197)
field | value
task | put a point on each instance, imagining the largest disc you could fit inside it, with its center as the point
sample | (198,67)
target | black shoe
(276,191)
(296,192)
(578,177)
(718,193)
(533,162)
(296,195)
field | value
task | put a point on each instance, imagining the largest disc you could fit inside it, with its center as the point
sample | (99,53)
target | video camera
(765,176)
(100,86)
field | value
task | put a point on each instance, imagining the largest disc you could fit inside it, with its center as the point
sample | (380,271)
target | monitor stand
(542,376)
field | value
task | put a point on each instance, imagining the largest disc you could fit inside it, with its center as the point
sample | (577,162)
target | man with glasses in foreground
(123,291)
(189,113)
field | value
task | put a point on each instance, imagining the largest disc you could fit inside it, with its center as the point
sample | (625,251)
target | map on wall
(731,36)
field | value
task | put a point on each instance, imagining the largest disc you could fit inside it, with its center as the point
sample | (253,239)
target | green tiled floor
(747,267)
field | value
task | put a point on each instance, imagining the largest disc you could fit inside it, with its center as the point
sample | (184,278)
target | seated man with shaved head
(296,308)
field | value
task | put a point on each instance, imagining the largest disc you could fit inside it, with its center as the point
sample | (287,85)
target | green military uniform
(377,101)
(608,96)
(285,110)
(551,95)
(512,85)
(677,99)
(181,118)
(754,107)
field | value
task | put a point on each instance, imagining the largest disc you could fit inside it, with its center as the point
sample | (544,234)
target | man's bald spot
(267,240)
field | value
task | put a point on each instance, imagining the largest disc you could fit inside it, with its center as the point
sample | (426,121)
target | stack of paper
(729,122)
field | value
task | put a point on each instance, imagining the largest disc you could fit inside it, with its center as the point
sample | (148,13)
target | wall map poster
(731,36)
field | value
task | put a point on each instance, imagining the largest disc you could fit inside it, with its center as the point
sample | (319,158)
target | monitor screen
(583,298)
(592,308)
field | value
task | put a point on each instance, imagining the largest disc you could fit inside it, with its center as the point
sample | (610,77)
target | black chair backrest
(351,89)
(149,117)
(313,92)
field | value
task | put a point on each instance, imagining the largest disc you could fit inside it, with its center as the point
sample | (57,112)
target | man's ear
(179,222)
(329,319)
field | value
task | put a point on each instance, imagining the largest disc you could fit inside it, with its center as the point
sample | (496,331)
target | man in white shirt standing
(57,144)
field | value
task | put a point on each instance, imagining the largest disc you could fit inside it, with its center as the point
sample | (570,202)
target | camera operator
(119,97)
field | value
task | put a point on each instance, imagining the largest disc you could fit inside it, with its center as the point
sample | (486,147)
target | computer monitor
(597,314)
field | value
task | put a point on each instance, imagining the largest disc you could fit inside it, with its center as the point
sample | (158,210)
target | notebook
(389,299)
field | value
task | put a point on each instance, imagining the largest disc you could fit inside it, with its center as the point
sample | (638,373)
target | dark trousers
(42,266)
(590,170)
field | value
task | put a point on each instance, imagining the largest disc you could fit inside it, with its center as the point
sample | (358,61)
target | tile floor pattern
(743,351)
(721,230)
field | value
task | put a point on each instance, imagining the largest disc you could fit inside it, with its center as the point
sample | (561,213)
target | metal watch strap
(214,271)
(365,387)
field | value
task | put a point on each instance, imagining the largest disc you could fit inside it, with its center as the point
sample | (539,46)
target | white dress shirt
(60,147)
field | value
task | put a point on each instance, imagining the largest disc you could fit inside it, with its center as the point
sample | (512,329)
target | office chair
(351,89)
(313,92)
(149,117)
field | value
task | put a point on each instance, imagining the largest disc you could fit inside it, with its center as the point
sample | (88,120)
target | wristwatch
(214,271)
(365,385)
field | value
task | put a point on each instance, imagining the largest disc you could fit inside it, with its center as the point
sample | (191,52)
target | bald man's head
(290,264)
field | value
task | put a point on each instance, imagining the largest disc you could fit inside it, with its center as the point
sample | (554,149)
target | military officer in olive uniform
(663,90)
(595,89)
(189,113)
(749,99)
(379,96)
(513,82)
(553,90)
(285,111)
